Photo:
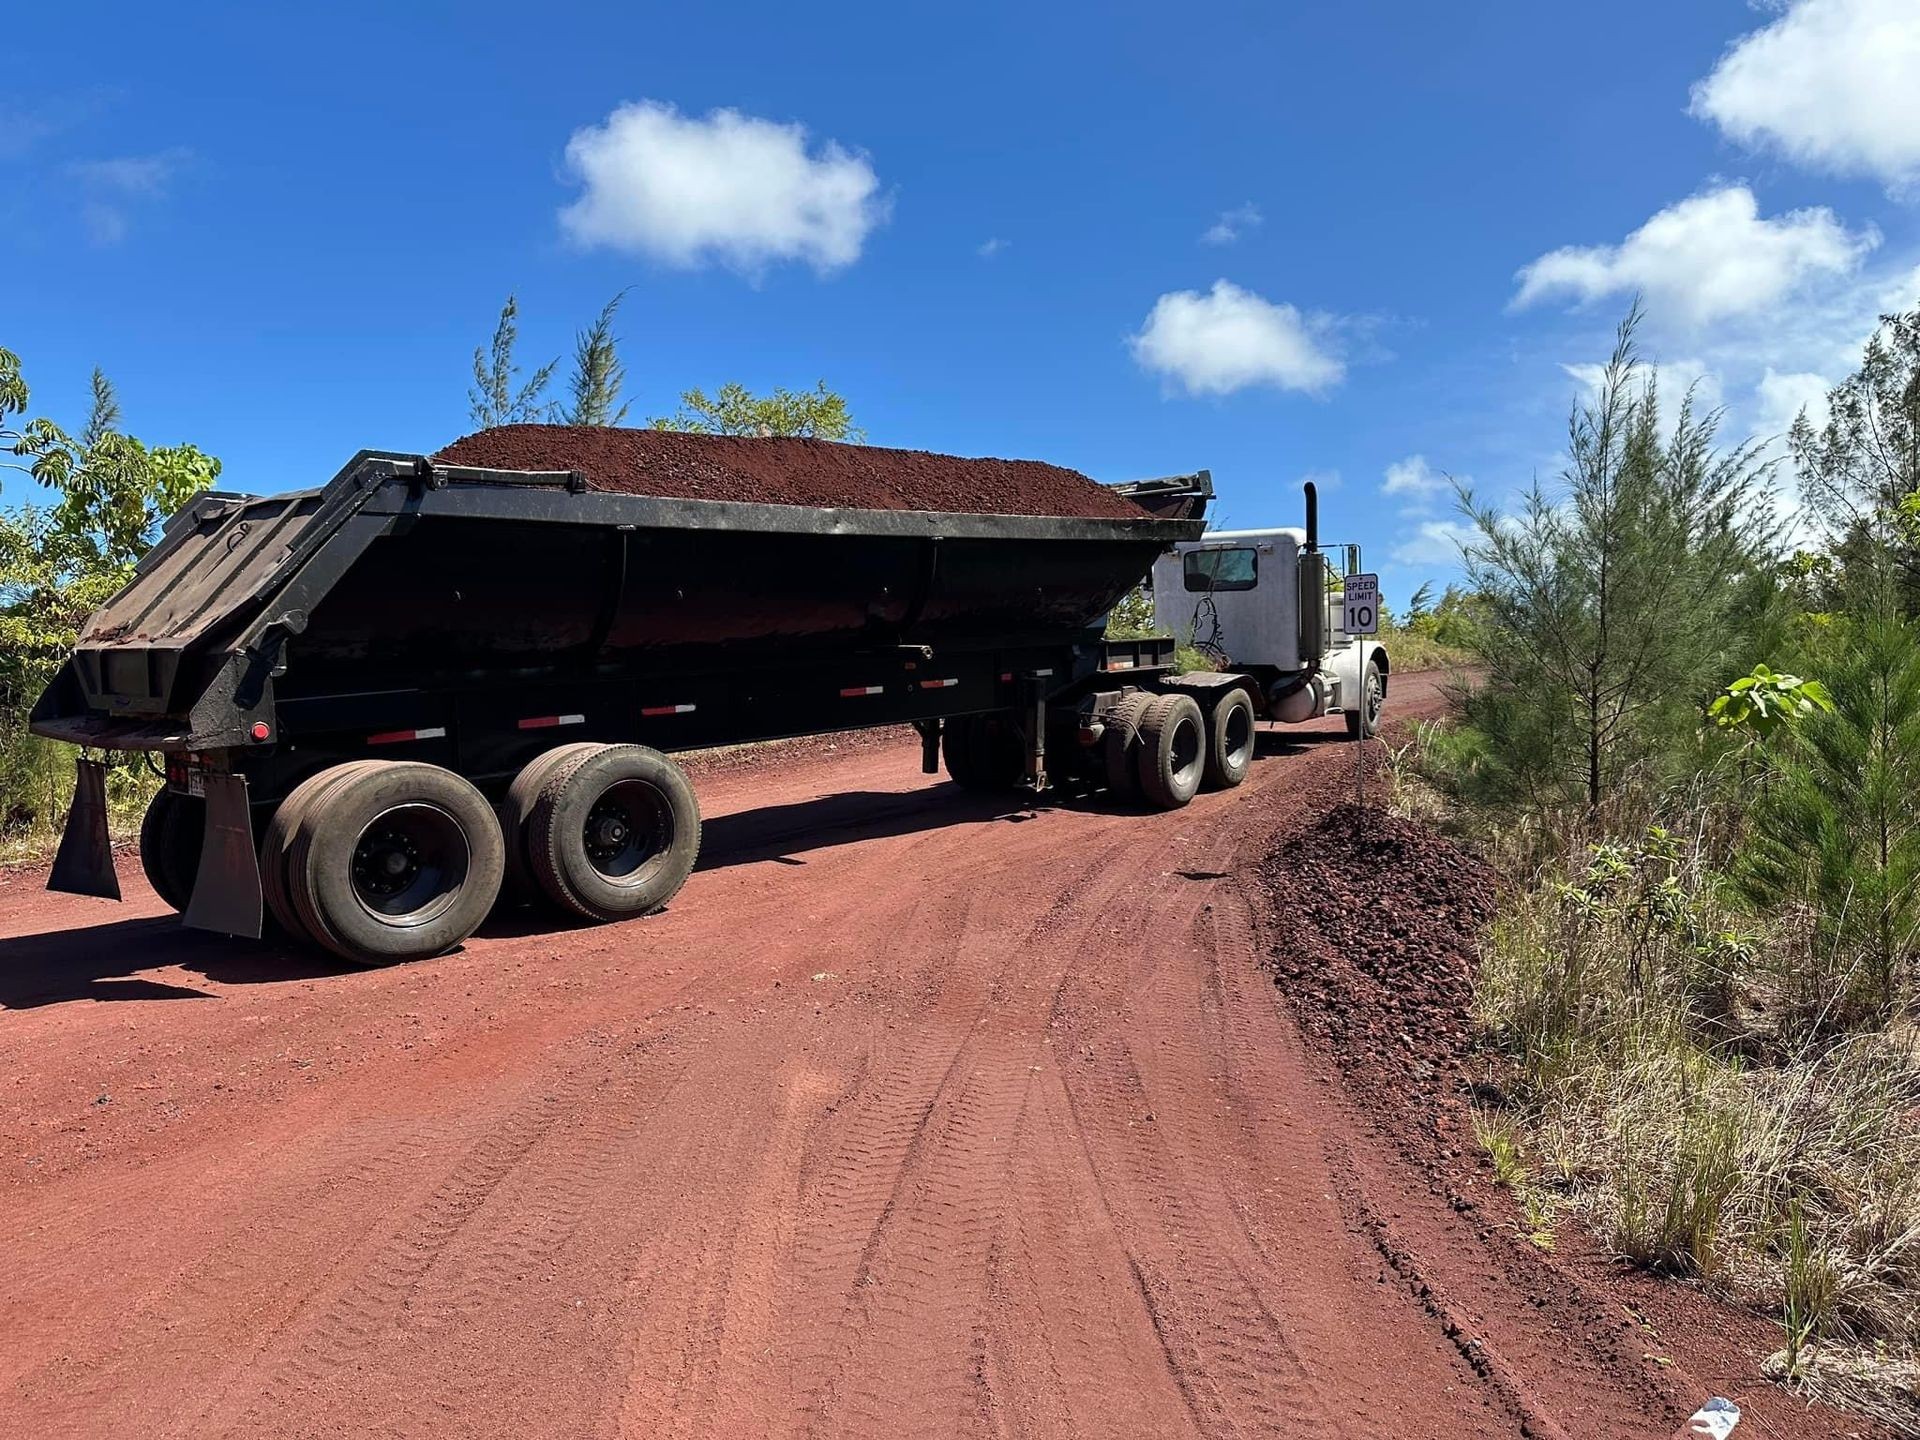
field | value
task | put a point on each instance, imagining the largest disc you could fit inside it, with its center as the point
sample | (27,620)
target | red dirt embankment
(1373,931)
(783,470)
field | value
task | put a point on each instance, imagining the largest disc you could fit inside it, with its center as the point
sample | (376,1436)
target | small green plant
(1763,701)
(1811,1287)
(1499,1137)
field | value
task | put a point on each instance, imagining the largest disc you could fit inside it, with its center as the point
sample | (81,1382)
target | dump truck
(380,704)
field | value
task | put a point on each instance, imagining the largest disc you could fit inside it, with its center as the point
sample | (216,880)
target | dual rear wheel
(384,860)
(1161,749)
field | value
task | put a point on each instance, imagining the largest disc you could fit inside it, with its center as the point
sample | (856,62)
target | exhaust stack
(1311,593)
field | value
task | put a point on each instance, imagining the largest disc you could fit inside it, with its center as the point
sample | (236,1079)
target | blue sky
(1370,241)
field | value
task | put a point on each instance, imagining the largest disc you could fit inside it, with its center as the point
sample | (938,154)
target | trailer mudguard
(226,889)
(84,862)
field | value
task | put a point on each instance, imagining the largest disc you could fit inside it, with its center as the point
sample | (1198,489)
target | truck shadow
(110,960)
(107,962)
(783,832)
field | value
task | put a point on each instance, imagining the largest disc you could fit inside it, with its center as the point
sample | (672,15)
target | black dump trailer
(378,702)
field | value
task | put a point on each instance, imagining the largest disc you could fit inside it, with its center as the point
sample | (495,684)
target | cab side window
(1208,570)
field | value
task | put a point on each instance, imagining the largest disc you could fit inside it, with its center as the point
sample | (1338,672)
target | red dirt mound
(1393,910)
(790,471)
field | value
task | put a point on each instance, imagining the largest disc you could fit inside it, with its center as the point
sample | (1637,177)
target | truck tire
(956,751)
(397,860)
(614,833)
(1173,751)
(170,835)
(1122,744)
(277,845)
(517,808)
(1230,740)
(983,754)
(1364,719)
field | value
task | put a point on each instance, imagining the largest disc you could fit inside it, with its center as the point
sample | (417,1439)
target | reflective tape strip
(1006,676)
(547,722)
(666,710)
(854,691)
(395,737)
(1120,665)
(938,684)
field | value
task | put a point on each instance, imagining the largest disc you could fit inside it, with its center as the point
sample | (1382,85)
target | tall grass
(1673,1086)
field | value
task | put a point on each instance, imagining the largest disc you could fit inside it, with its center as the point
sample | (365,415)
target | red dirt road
(911,1116)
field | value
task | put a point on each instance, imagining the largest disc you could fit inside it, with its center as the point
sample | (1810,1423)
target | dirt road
(911,1116)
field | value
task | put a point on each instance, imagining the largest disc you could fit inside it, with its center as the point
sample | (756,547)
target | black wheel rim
(410,863)
(1186,746)
(628,825)
(1238,735)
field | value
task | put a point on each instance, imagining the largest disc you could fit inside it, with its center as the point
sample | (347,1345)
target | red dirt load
(790,471)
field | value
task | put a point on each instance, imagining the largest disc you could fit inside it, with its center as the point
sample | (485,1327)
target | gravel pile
(786,471)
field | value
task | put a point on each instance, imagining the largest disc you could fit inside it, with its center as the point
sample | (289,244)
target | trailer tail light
(261,730)
(855,691)
(666,709)
(938,684)
(547,722)
(396,737)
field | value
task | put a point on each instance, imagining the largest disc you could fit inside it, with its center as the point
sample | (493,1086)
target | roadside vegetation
(107,494)
(1695,756)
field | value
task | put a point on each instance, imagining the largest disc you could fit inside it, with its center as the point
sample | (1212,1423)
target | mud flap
(84,863)
(226,891)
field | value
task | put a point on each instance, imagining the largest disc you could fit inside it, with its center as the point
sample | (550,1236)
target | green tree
(494,398)
(1860,471)
(817,414)
(1838,825)
(1579,597)
(60,562)
(1419,607)
(598,376)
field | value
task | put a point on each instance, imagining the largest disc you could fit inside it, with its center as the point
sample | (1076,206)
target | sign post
(1362,618)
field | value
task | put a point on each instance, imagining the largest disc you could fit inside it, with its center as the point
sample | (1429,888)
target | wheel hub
(385,862)
(626,827)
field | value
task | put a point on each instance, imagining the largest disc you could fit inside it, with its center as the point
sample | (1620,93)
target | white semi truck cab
(1267,606)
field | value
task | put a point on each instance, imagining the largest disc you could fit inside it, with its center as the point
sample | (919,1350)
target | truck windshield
(1220,570)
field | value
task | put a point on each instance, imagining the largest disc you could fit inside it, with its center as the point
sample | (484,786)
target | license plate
(187,775)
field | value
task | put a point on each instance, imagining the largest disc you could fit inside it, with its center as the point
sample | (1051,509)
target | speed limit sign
(1363,605)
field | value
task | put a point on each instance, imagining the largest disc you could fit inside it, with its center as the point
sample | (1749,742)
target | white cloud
(113,187)
(1779,398)
(1674,381)
(1832,84)
(138,176)
(1416,479)
(1229,339)
(734,188)
(991,247)
(1233,223)
(1436,542)
(1710,257)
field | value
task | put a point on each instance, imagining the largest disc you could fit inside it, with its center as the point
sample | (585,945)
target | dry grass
(1668,1088)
